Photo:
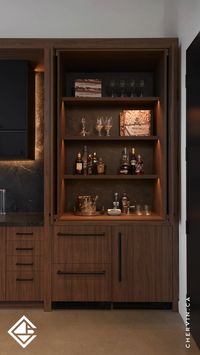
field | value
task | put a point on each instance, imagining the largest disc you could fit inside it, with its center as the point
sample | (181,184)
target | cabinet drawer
(23,286)
(24,247)
(82,245)
(24,262)
(81,282)
(28,233)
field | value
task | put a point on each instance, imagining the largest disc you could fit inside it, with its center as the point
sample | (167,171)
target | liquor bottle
(133,161)
(125,203)
(79,164)
(94,163)
(85,160)
(116,201)
(125,166)
(89,165)
(100,167)
(139,167)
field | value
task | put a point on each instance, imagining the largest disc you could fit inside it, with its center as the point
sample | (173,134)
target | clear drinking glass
(138,210)
(132,88)
(147,210)
(112,87)
(83,127)
(141,88)
(122,85)
(99,125)
(108,125)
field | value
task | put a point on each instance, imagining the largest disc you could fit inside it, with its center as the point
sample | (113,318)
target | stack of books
(88,88)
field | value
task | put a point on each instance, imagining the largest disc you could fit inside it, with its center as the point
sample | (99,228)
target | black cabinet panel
(13,144)
(13,94)
(16,110)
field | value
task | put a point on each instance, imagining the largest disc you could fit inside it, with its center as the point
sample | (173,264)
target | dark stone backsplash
(24,186)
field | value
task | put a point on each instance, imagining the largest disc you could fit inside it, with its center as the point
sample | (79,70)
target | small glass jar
(100,167)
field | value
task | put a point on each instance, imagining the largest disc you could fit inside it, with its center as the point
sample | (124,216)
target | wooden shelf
(105,217)
(111,177)
(111,100)
(111,138)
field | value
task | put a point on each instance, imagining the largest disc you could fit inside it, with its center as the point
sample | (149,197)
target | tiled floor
(98,332)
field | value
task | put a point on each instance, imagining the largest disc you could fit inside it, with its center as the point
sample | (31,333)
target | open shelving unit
(149,188)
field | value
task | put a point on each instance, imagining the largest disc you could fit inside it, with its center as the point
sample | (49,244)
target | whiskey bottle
(79,164)
(85,160)
(139,167)
(125,166)
(89,165)
(94,163)
(100,167)
(133,161)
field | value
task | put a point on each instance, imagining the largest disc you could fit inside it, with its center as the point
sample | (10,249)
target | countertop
(22,219)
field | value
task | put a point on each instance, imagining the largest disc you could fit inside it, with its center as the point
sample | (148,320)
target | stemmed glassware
(83,131)
(99,125)
(141,88)
(112,87)
(108,125)
(132,88)
(122,85)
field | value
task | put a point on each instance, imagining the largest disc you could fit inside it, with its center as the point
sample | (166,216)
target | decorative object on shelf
(139,166)
(132,92)
(100,167)
(116,201)
(79,164)
(122,86)
(87,205)
(125,203)
(125,165)
(140,88)
(83,131)
(112,88)
(135,122)
(88,88)
(99,125)
(114,211)
(147,210)
(108,125)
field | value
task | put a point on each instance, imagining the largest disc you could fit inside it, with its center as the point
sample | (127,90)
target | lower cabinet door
(23,286)
(142,264)
(82,282)
(2,286)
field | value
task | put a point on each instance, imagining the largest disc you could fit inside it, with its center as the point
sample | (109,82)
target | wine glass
(132,88)
(99,125)
(112,88)
(83,127)
(141,88)
(122,85)
(108,125)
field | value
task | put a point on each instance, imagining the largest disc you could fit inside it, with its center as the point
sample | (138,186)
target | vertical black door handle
(120,257)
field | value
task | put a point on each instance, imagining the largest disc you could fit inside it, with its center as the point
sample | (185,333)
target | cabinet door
(2,263)
(142,270)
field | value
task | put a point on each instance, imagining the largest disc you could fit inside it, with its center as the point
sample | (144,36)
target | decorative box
(135,122)
(88,88)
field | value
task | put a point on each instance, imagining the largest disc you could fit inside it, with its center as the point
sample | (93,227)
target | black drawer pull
(24,264)
(19,279)
(24,233)
(81,272)
(26,249)
(120,257)
(80,234)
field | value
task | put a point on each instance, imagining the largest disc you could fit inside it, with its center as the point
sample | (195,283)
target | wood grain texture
(87,282)
(82,245)
(23,286)
(146,264)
